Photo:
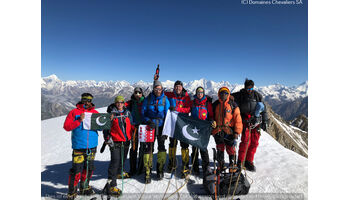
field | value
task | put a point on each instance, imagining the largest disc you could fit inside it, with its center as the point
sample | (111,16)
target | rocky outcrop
(287,135)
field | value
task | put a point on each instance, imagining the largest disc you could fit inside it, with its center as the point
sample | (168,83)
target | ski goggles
(224,92)
(137,92)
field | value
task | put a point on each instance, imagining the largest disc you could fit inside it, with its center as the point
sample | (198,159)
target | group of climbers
(240,113)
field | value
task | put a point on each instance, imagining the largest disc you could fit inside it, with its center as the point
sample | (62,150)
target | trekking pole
(122,172)
(215,177)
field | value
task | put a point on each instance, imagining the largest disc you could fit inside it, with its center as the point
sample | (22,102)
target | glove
(164,137)
(109,142)
(172,108)
(235,135)
(213,124)
(264,126)
(151,124)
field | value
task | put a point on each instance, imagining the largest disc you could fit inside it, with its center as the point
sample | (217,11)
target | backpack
(149,102)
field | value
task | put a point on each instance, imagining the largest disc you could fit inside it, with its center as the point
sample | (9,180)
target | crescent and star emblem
(187,135)
(98,121)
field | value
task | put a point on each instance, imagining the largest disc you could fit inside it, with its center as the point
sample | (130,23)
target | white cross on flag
(145,134)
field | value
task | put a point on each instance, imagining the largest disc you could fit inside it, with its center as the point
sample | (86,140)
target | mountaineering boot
(111,190)
(87,191)
(72,193)
(172,160)
(147,162)
(250,166)
(232,167)
(71,196)
(185,160)
(114,191)
(161,158)
(125,175)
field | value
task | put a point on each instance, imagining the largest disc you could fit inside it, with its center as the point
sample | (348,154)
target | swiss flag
(146,134)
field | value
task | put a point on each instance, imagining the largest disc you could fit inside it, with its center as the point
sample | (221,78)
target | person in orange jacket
(227,125)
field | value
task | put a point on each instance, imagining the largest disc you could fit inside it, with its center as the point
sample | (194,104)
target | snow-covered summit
(276,91)
(280,171)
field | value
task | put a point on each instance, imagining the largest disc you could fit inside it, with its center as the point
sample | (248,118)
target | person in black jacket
(254,118)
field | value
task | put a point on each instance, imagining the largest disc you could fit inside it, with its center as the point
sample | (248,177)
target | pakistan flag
(192,131)
(97,121)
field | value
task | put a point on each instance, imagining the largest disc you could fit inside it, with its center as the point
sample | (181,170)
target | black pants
(149,146)
(133,152)
(204,156)
(182,144)
(82,168)
(117,160)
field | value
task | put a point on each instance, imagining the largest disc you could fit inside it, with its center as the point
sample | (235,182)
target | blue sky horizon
(215,40)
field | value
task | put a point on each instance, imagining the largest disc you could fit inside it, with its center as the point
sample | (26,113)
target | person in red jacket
(118,139)
(201,108)
(84,143)
(180,101)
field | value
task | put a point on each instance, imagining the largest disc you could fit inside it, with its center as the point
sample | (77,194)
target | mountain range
(58,97)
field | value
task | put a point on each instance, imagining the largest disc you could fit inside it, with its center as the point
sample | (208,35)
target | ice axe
(156,75)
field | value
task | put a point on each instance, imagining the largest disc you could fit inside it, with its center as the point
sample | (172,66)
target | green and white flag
(97,121)
(192,131)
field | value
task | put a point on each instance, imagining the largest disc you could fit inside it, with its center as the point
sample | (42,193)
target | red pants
(252,145)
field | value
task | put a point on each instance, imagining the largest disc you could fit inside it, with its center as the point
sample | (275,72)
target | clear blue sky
(190,39)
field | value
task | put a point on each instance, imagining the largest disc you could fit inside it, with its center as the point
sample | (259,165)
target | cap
(119,99)
(157,83)
(178,83)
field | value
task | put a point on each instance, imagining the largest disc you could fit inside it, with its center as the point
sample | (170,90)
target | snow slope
(279,170)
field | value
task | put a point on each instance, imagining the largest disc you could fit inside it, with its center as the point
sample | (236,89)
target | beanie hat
(157,83)
(138,89)
(248,83)
(224,89)
(178,83)
(200,89)
(119,99)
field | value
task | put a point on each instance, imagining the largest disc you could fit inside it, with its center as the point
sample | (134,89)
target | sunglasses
(249,89)
(157,89)
(86,100)
(138,93)
(200,92)
(226,93)
(120,102)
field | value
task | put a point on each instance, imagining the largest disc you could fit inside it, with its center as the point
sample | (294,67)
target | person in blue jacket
(154,110)
(84,143)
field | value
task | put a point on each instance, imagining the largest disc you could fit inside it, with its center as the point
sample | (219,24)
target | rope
(187,179)
(242,164)
(173,169)
(229,187)
(87,161)
(122,172)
